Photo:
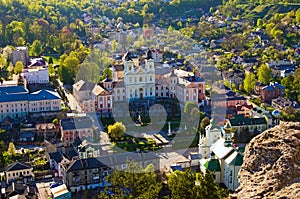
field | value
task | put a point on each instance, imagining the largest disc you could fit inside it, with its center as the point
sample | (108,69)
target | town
(181,97)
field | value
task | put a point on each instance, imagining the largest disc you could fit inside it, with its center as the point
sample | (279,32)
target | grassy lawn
(142,144)
(56,59)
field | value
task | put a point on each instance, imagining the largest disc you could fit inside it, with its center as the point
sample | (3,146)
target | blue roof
(12,90)
(176,168)
(18,93)
(270,88)
(13,93)
(13,97)
(42,95)
(279,86)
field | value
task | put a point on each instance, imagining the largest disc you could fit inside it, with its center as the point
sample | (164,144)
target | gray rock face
(271,166)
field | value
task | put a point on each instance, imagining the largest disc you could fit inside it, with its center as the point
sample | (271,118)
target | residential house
(20,54)
(20,191)
(102,96)
(235,77)
(282,68)
(82,92)
(229,99)
(155,54)
(282,103)
(274,90)
(240,123)
(54,158)
(88,150)
(257,112)
(26,135)
(243,109)
(47,130)
(74,128)
(90,173)
(250,62)
(18,171)
(36,75)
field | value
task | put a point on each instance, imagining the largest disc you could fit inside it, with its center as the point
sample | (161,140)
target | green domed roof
(213,165)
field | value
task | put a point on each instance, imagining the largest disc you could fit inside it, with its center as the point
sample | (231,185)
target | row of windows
(13,110)
(18,173)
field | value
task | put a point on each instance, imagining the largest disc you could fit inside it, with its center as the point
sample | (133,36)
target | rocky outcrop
(271,166)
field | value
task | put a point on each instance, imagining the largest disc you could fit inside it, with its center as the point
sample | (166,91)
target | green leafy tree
(188,107)
(204,123)
(182,185)
(88,72)
(18,68)
(105,72)
(55,121)
(114,45)
(37,48)
(135,182)
(264,74)
(259,23)
(11,149)
(249,82)
(68,69)
(116,131)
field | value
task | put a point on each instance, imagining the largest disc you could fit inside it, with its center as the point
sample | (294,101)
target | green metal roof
(212,165)
(240,120)
(238,160)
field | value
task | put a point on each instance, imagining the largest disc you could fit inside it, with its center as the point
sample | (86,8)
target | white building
(38,75)
(139,78)
(19,171)
(44,101)
(219,156)
(16,102)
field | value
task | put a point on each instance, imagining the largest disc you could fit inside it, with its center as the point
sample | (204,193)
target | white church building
(219,156)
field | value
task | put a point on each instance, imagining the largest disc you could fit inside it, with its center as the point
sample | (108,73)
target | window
(141,79)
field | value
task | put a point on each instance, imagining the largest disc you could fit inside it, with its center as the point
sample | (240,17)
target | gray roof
(109,161)
(84,86)
(76,123)
(16,166)
(56,156)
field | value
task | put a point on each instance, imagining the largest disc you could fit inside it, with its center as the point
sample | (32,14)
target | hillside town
(168,101)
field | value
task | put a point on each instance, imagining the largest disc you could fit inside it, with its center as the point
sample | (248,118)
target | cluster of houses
(139,78)
(81,164)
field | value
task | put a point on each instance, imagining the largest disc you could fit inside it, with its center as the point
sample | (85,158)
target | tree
(105,72)
(88,72)
(249,82)
(114,45)
(188,107)
(182,185)
(259,23)
(117,130)
(264,74)
(18,68)
(55,121)
(11,149)
(37,48)
(135,182)
(68,69)
(204,123)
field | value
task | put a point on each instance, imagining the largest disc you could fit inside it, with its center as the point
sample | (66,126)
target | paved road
(73,104)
